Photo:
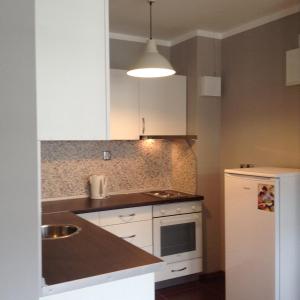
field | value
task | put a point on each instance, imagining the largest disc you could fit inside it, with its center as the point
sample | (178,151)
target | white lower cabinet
(135,225)
(179,269)
(136,233)
(132,288)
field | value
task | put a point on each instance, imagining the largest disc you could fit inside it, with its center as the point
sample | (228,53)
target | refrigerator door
(250,237)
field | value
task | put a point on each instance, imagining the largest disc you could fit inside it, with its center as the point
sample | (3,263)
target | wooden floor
(204,289)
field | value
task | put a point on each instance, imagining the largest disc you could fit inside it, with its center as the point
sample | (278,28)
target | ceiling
(173,18)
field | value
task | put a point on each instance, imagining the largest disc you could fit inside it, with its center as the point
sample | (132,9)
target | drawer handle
(126,216)
(179,270)
(128,237)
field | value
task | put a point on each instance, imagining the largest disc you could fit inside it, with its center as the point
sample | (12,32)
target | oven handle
(182,221)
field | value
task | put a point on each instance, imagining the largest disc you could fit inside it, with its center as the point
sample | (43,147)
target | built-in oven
(177,231)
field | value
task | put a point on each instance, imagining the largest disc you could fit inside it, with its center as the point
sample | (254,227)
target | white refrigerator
(262,234)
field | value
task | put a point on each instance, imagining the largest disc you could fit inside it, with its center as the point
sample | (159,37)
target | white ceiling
(173,18)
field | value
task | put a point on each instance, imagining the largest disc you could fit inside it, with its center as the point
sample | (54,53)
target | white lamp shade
(152,64)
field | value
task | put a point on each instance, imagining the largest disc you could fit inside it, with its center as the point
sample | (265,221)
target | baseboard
(218,274)
(188,278)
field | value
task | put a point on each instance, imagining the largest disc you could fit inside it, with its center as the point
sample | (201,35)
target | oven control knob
(193,207)
(163,212)
(178,209)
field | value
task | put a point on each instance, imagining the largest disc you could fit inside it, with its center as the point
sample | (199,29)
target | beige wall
(194,58)
(260,115)
(20,246)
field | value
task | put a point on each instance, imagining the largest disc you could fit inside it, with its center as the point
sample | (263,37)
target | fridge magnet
(266,197)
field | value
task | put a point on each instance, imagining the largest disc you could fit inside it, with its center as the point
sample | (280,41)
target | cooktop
(168,194)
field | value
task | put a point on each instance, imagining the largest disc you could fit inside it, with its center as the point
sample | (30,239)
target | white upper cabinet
(146,106)
(163,106)
(124,106)
(72,67)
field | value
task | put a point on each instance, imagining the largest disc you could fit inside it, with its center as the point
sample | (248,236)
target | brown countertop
(92,252)
(85,205)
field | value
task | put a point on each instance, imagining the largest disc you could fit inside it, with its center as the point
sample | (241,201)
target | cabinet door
(124,106)
(163,106)
(71,64)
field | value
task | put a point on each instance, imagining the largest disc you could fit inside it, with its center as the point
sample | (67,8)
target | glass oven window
(179,238)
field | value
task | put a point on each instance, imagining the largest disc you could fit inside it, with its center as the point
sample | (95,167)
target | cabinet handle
(128,237)
(122,217)
(144,126)
(179,270)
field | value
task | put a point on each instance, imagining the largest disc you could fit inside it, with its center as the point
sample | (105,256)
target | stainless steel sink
(58,231)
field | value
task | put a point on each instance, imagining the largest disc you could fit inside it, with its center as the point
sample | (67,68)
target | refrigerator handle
(258,178)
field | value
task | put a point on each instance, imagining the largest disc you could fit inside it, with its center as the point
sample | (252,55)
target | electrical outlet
(106,155)
(250,165)
(242,166)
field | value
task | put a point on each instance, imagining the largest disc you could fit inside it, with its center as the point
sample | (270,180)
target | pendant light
(151,64)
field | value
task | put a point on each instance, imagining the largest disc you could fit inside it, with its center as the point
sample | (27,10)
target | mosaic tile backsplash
(135,166)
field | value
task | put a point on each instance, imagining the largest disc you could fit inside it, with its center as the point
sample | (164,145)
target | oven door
(178,238)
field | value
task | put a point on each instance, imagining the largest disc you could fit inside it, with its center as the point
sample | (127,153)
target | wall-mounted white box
(210,86)
(293,67)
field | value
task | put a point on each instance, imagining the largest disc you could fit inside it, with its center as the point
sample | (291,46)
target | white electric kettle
(98,186)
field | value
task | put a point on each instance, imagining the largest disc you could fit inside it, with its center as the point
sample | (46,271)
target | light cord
(150,3)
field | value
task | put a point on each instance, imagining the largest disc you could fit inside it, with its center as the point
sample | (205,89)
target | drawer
(125,215)
(177,208)
(136,233)
(179,269)
(91,217)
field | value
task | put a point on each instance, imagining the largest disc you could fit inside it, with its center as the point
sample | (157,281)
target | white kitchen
(149,149)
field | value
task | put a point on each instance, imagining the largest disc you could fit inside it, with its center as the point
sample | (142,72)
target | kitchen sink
(58,231)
